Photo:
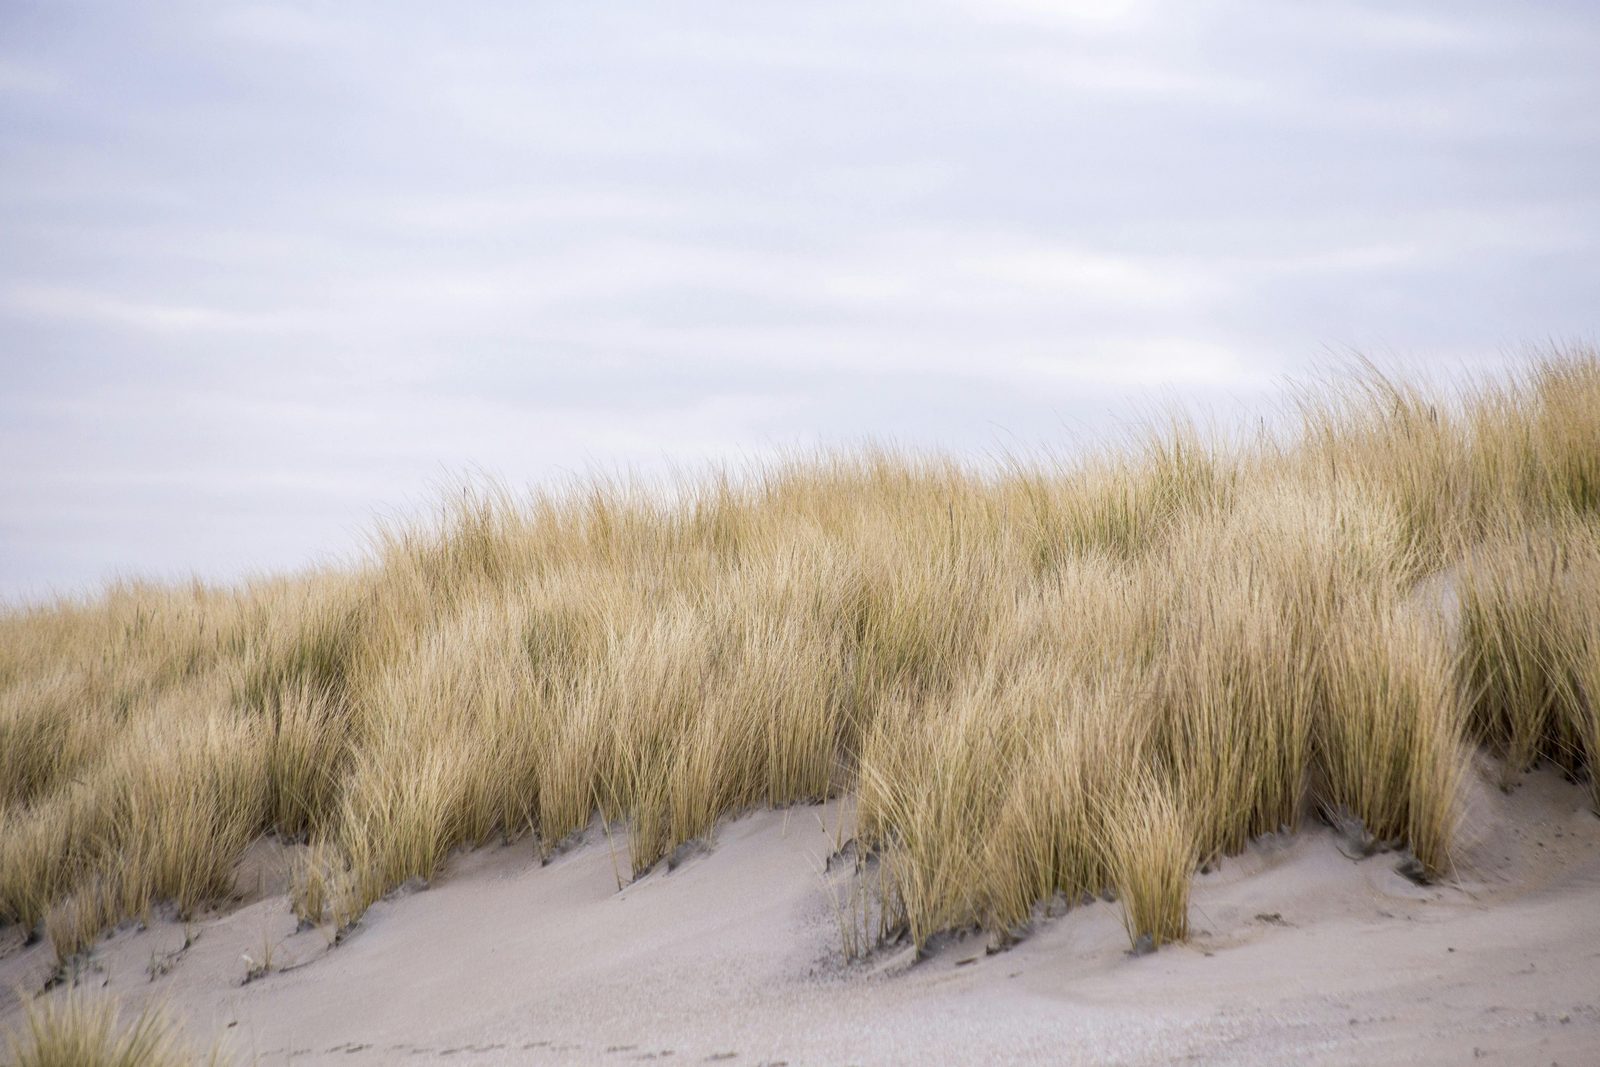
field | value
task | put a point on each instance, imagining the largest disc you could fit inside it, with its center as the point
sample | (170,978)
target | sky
(271,271)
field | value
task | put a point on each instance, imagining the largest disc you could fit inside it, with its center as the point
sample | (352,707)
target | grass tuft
(75,1030)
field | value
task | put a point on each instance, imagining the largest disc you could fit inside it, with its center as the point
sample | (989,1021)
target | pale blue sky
(269,270)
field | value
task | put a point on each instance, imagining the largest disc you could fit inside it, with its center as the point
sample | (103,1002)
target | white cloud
(1076,14)
(1063,270)
(278,26)
(25,79)
(1162,362)
(76,305)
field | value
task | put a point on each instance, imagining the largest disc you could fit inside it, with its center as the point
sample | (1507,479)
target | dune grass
(1041,680)
(78,1030)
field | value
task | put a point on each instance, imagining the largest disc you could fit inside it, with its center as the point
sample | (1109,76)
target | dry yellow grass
(77,1030)
(1040,680)
(1531,636)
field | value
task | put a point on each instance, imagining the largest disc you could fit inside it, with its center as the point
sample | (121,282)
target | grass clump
(1530,635)
(76,1030)
(1389,734)
(1151,848)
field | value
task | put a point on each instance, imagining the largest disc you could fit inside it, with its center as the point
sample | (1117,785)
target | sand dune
(1301,953)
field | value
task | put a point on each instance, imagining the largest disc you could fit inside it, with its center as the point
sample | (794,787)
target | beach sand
(1301,953)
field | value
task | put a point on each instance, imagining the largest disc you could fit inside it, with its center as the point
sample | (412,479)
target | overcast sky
(267,271)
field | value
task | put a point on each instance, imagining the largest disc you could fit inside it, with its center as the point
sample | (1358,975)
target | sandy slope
(1303,955)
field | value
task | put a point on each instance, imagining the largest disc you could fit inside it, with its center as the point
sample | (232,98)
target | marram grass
(1038,680)
(76,1029)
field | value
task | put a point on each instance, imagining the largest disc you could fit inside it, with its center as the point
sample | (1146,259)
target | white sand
(1301,956)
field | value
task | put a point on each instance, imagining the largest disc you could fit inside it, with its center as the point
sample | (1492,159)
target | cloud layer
(267,270)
